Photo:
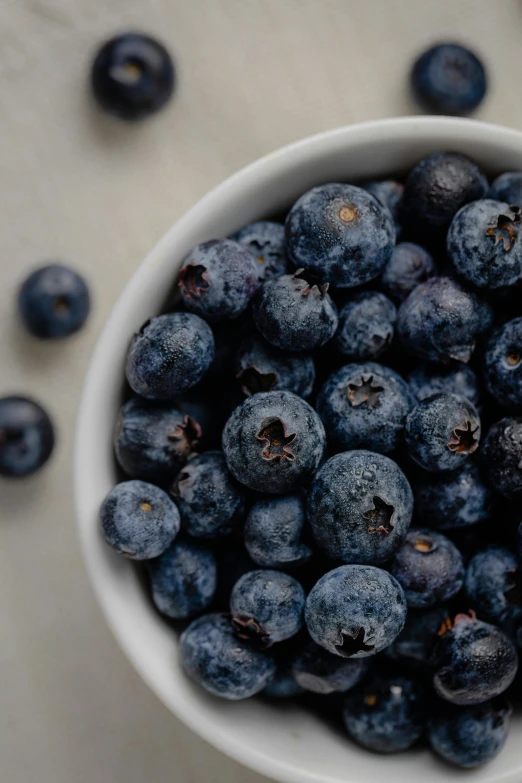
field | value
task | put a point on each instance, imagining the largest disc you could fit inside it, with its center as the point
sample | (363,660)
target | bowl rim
(246,177)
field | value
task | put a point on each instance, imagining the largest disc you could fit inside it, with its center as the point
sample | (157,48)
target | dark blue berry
(169,354)
(210,502)
(274,442)
(274,532)
(26,436)
(507,188)
(485,244)
(215,657)
(266,241)
(502,457)
(389,193)
(429,379)
(366,326)
(494,587)
(295,312)
(365,406)
(218,279)
(449,79)
(386,714)
(54,302)
(132,76)
(260,367)
(355,611)
(139,520)
(449,501)
(183,579)
(359,507)
(318,671)
(408,266)
(415,644)
(282,686)
(341,233)
(503,365)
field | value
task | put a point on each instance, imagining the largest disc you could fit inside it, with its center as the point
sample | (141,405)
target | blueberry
(266,241)
(448,501)
(183,579)
(440,321)
(267,607)
(366,326)
(295,312)
(386,714)
(485,244)
(408,266)
(283,686)
(503,365)
(318,671)
(365,406)
(218,279)
(169,354)
(359,507)
(26,436)
(215,658)
(442,431)
(132,76)
(355,611)
(449,79)
(139,520)
(54,302)
(210,502)
(502,457)
(341,233)
(389,193)
(273,442)
(274,532)
(494,587)
(474,661)
(261,367)
(429,568)
(415,644)
(507,187)
(436,189)
(429,379)
(469,736)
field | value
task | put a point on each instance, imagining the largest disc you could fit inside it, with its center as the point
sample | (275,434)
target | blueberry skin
(493,586)
(503,365)
(318,671)
(449,79)
(469,736)
(502,457)
(261,367)
(359,507)
(436,189)
(389,193)
(183,579)
(429,379)
(273,442)
(266,241)
(26,437)
(386,714)
(355,611)
(475,661)
(54,302)
(440,320)
(507,188)
(429,568)
(132,76)
(218,280)
(274,532)
(415,644)
(139,520)
(210,502)
(451,501)
(152,441)
(408,266)
(219,661)
(283,686)
(484,244)
(366,326)
(340,232)
(169,354)
(295,312)
(365,406)
(442,431)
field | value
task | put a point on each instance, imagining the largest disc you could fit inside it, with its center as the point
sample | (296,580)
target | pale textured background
(253,75)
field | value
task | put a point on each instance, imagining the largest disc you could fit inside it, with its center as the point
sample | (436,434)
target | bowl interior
(282,741)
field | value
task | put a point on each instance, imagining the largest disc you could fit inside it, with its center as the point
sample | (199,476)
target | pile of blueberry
(305,471)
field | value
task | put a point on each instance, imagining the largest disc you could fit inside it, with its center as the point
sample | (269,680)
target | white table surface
(253,75)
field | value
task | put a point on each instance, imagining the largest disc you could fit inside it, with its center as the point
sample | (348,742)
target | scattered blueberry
(366,326)
(266,241)
(507,188)
(318,671)
(408,266)
(389,193)
(429,379)
(503,365)
(26,436)
(415,644)
(448,501)
(274,532)
(502,457)
(494,587)
(449,79)
(54,302)
(261,367)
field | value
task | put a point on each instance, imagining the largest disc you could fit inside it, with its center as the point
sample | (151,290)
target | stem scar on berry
(463,439)
(424,545)
(250,630)
(347,213)
(193,280)
(364,391)
(277,442)
(504,229)
(254,381)
(370,699)
(379,517)
(189,431)
(350,644)
(146,506)
(513,358)
(315,284)
(462,617)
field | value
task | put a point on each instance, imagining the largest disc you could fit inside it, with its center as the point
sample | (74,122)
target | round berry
(503,365)
(26,436)
(416,642)
(449,79)
(274,532)
(502,457)
(448,501)
(260,367)
(508,188)
(389,193)
(54,302)
(366,326)
(408,266)
(429,379)
(494,587)
(318,671)
(266,241)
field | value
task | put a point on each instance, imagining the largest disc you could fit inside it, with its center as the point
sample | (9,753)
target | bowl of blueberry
(299,458)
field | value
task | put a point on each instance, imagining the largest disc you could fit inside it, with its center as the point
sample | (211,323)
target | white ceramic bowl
(283,742)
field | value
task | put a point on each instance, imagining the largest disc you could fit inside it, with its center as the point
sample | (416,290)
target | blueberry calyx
(351,644)
(277,443)
(248,629)
(347,213)
(463,439)
(424,545)
(503,230)
(448,624)
(189,431)
(364,391)
(315,284)
(193,280)
(380,516)
(254,381)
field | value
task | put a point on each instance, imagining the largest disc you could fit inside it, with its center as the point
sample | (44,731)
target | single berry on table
(503,365)
(26,436)
(408,266)
(366,326)
(449,79)
(502,457)
(274,532)
(449,501)
(317,670)
(54,302)
(260,367)
(266,241)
